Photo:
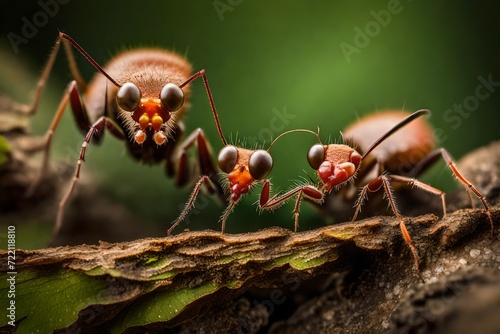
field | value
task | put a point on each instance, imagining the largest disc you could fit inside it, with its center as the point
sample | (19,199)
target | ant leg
(48,68)
(467,184)
(171,148)
(424,164)
(190,204)
(410,244)
(45,74)
(73,67)
(375,185)
(226,213)
(361,199)
(206,166)
(71,94)
(276,201)
(421,185)
(207,170)
(433,156)
(98,126)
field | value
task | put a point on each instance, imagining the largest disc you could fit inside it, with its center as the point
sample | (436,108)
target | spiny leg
(190,204)
(432,157)
(45,74)
(274,202)
(421,185)
(73,67)
(71,94)
(375,185)
(206,166)
(75,72)
(296,210)
(410,244)
(469,187)
(95,128)
(226,213)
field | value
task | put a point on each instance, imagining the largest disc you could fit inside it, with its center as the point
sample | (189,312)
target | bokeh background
(265,58)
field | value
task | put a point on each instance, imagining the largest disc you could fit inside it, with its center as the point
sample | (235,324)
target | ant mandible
(396,156)
(144,106)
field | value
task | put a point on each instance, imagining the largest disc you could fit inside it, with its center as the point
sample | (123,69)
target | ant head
(150,113)
(335,163)
(243,168)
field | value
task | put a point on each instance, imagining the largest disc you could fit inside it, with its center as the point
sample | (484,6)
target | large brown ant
(383,154)
(141,97)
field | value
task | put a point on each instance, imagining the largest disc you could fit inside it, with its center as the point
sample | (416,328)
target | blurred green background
(263,58)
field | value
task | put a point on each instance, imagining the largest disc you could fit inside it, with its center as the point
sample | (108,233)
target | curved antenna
(89,58)
(398,126)
(291,131)
(321,142)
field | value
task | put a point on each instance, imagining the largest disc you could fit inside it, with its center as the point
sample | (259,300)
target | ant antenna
(319,137)
(398,126)
(89,58)
(290,131)
(210,99)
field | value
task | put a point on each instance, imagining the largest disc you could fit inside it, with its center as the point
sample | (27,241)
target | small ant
(395,156)
(144,106)
(241,170)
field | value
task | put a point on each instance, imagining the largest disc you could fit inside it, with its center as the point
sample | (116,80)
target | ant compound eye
(316,156)
(260,164)
(172,97)
(128,97)
(227,158)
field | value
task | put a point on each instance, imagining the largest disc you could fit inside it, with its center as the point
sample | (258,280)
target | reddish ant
(242,169)
(144,106)
(384,150)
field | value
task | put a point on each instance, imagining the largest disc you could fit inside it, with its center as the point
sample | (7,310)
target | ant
(241,170)
(144,106)
(395,156)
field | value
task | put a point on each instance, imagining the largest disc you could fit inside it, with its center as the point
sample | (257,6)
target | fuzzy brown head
(150,113)
(150,96)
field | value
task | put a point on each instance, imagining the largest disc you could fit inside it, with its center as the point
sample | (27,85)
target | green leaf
(161,306)
(49,302)
(4,150)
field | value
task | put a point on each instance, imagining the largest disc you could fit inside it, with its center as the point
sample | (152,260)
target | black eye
(316,156)
(172,97)
(260,164)
(227,158)
(128,97)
